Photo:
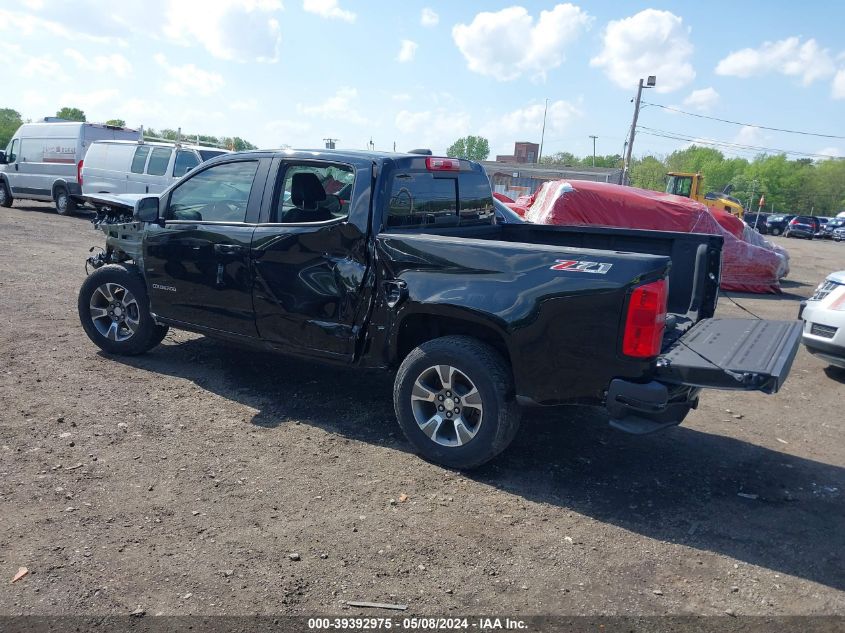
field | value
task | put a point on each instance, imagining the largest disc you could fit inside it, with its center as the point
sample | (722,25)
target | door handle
(229,249)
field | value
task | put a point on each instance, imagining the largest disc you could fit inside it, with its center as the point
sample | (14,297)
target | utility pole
(543,133)
(594,148)
(626,167)
(330,142)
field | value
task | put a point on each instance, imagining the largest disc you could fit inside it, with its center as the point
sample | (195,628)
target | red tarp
(749,263)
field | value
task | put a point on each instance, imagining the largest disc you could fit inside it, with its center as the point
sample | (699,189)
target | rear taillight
(794,222)
(79,173)
(442,164)
(646,320)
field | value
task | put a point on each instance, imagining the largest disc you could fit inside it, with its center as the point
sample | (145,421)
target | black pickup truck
(402,262)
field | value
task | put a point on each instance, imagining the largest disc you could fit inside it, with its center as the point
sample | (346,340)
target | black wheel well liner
(418,328)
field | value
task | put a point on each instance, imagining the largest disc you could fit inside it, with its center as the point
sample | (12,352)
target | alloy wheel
(115,312)
(447,405)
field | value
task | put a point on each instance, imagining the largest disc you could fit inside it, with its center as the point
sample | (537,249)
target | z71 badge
(577,266)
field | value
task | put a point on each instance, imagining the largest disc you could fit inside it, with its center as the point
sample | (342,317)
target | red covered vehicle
(750,263)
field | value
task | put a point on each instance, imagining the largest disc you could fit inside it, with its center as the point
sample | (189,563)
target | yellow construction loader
(689,185)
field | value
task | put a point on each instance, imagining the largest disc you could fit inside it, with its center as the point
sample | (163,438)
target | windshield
(679,185)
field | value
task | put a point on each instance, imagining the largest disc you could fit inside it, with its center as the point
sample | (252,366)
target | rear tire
(454,399)
(6,198)
(64,203)
(776,232)
(115,312)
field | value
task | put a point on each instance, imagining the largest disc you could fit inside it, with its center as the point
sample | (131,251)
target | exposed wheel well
(56,186)
(418,328)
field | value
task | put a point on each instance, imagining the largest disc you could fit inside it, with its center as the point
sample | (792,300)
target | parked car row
(61,161)
(806,226)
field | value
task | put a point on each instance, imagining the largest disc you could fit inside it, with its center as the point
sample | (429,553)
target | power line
(762,127)
(727,144)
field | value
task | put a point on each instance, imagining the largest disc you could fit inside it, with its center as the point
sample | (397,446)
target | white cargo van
(139,166)
(44,160)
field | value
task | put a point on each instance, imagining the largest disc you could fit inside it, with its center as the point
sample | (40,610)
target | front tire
(115,312)
(6,198)
(454,399)
(65,205)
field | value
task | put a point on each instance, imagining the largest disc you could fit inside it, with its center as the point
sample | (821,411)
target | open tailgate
(744,354)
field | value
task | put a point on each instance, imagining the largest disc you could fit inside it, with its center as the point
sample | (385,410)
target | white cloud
(527,123)
(407,51)
(788,57)
(33,27)
(114,64)
(435,129)
(339,106)
(401,96)
(749,136)
(509,43)
(429,18)
(188,79)
(838,86)
(651,42)
(328,9)
(45,66)
(702,100)
(238,30)
(831,152)
(89,100)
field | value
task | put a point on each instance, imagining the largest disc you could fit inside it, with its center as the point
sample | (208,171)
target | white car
(824,320)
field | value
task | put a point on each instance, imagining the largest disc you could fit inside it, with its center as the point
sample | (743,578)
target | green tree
(648,172)
(10,121)
(116,122)
(71,114)
(563,159)
(470,147)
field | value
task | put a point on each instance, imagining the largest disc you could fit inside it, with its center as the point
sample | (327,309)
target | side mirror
(146,209)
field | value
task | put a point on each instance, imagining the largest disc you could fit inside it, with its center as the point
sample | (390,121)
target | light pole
(594,148)
(543,133)
(650,83)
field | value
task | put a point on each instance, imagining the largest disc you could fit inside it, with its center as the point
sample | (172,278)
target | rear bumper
(642,408)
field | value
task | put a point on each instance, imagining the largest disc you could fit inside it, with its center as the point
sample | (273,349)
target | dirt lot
(183,480)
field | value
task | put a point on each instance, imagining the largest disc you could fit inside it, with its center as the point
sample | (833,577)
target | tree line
(11,120)
(788,186)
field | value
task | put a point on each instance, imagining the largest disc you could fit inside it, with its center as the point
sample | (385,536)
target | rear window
(159,159)
(139,160)
(185,162)
(418,199)
(804,220)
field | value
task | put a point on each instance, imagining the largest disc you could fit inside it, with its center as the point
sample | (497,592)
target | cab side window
(217,194)
(313,193)
(140,159)
(159,160)
(185,162)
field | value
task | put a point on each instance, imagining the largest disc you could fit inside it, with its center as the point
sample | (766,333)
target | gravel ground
(205,479)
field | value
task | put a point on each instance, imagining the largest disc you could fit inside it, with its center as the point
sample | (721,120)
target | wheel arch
(418,327)
(59,182)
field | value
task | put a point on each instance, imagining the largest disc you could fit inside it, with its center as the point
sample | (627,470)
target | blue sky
(421,74)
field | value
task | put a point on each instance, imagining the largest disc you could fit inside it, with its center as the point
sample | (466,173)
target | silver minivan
(44,160)
(139,166)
